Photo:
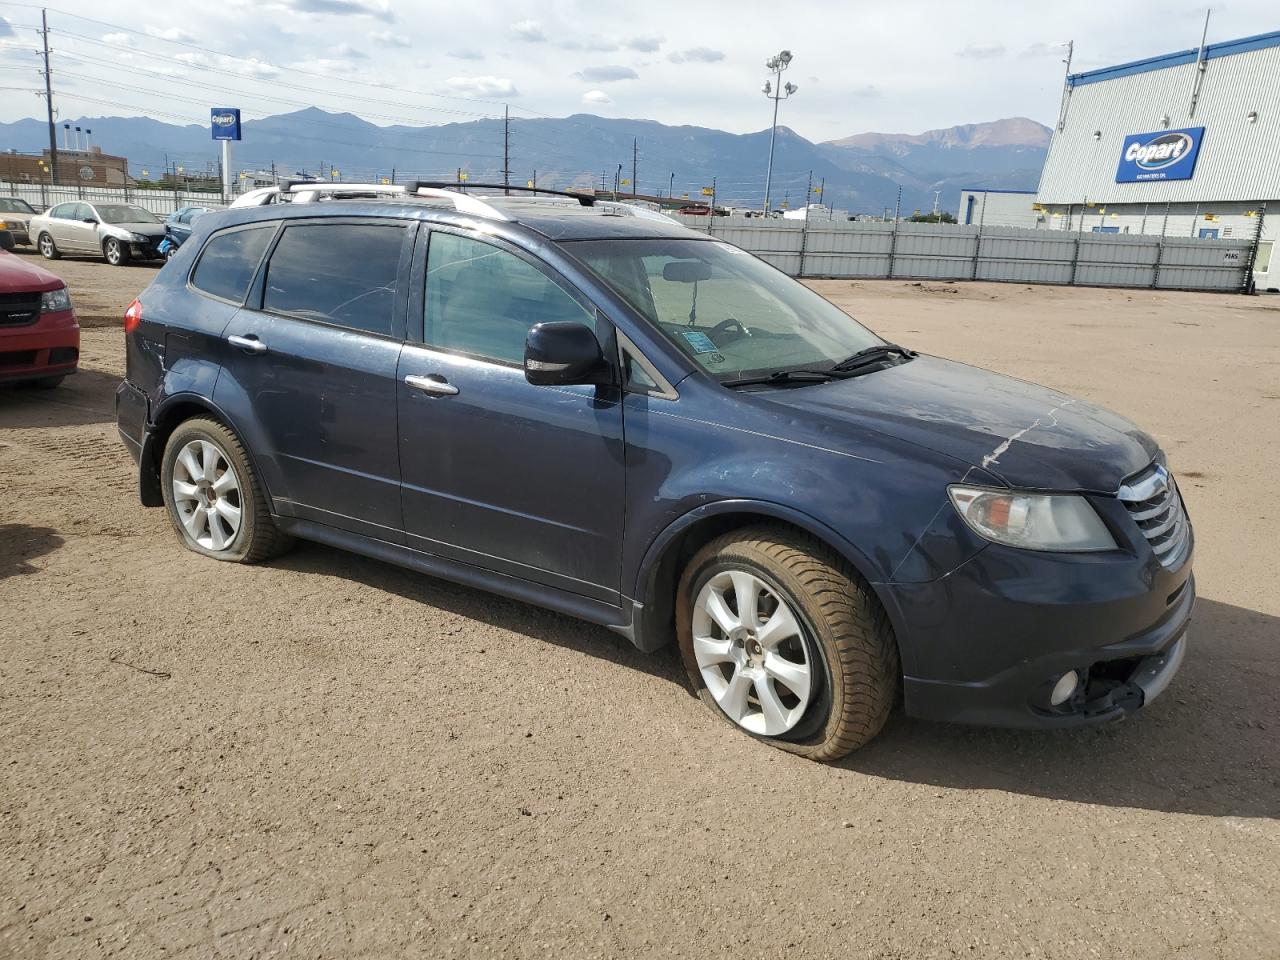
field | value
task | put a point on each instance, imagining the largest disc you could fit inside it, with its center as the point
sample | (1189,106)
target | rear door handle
(433,384)
(250,343)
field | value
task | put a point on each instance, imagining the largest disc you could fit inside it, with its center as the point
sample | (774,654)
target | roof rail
(585,199)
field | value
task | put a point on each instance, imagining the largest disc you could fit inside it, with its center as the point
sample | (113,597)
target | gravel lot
(327,756)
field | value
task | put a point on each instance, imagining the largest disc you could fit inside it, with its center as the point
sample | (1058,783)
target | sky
(901,67)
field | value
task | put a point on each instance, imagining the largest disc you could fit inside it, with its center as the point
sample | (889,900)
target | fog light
(1064,688)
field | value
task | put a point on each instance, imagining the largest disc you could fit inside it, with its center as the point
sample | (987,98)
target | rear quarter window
(229,260)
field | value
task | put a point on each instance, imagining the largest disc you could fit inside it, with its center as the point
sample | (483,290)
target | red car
(39,333)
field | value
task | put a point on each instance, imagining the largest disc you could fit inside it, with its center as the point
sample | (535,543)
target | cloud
(250,66)
(323,65)
(644,44)
(118,39)
(596,98)
(378,9)
(869,92)
(530,31)
(170,33)
(389,38)
(1042,49)
(193,59)
(982,51)
(606,74)
(347,52)
(696,55)
(483,86)
(590,44)
(466,54)
(5,29)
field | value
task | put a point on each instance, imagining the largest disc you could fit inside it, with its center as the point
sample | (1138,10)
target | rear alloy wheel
(48,249)
(115,252)
(784,640)
(214,501)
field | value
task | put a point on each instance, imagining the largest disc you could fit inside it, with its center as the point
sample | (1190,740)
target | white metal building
(1184,145)
(1007,208)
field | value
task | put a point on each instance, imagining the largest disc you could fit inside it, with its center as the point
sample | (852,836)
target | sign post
(224,125)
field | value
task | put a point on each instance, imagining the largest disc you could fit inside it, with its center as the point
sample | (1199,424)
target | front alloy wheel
(48,249)
(783,638)
(752,653)
(115,251)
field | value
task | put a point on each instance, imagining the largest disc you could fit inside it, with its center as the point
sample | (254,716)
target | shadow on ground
(20,544)
(85,397)
(1207,746)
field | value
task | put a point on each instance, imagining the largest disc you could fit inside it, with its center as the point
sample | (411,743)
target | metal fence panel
(1024,271)
(1114,275)
(160,202)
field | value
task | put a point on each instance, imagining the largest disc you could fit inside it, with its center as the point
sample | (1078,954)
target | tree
(943,217)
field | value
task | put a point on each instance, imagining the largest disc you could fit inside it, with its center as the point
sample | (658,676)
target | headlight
(1035,521)
(53,301)
(3,225)
(138,238)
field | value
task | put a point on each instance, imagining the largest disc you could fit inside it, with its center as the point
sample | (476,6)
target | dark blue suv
(591,408)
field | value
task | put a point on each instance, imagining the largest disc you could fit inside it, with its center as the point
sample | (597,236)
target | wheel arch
(171,414)
(655,582)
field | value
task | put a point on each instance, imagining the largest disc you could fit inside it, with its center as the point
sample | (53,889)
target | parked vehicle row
(624,420)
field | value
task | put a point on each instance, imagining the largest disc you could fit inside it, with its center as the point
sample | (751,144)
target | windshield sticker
(699,341)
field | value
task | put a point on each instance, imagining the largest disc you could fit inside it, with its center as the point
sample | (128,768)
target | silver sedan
(117,232)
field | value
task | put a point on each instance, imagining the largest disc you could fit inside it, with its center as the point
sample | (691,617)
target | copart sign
(1163,155)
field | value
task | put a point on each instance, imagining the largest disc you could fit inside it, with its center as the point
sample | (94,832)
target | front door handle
(250,343)
(433,384)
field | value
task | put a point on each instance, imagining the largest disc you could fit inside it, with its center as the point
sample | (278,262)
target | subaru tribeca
(597,410)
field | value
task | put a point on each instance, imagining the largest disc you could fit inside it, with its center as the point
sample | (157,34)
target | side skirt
(584,608)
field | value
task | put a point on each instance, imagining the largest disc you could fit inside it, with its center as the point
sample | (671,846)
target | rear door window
(229,261)
(340,273)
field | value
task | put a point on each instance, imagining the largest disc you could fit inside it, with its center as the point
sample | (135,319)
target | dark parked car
(624,420)
(39,332)
(177,227)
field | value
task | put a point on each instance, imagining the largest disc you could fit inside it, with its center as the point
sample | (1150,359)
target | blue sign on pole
(1163,155)
(225,123)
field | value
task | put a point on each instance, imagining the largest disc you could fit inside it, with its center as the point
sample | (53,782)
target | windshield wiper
(874,354)
(786,377)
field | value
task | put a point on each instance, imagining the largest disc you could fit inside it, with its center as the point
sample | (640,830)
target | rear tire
(48,249)
(115,252)
(214,499)
(841,649)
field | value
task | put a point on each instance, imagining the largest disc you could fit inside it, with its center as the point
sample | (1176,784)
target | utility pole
(808,195)
(616,178)
(936,195)
(506,149)
(48,99)
(897,207)
(635,152)
(671,186)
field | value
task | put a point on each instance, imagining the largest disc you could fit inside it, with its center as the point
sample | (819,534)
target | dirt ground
(330,757)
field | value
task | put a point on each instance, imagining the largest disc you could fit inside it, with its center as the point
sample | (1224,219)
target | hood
(146,229)
(20,275)
(1027,435)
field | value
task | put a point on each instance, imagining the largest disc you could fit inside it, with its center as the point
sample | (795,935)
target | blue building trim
(1211,52)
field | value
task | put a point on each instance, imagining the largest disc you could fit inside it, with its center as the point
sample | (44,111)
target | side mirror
(561,353)
(90,220)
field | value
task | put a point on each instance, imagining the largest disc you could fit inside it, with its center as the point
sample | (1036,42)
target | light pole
(775,90)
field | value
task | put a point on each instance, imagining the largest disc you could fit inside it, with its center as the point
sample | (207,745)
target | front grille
(19,309)
(1152,499)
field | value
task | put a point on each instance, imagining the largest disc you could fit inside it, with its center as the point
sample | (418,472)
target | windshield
(733,314)
(14,205)
(124,213)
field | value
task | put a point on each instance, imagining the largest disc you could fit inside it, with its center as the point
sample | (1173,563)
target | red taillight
(133,316)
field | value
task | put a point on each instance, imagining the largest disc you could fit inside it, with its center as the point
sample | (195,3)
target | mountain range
(862,173)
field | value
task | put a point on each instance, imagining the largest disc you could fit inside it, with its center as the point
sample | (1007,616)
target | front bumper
(986,643)
(50,347)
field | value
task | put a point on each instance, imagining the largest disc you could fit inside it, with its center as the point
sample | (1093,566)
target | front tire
(782,638)
(214,500)
(48,249)
(115,252)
